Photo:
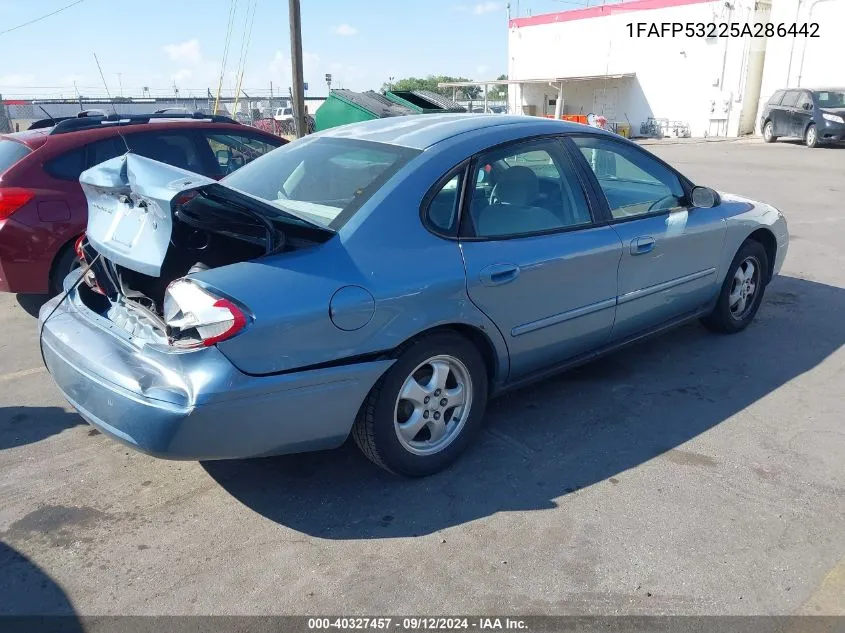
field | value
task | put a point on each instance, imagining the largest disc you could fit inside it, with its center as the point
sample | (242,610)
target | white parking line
(21,374)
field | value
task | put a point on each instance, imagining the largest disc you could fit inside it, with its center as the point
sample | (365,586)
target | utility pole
(296,64)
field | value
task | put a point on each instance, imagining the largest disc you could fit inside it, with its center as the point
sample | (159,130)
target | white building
(805,62)
(609,60)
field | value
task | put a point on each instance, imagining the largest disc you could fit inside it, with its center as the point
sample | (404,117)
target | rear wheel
(811,136)
(769,132)
(423,413)
(742,291)
(62,266)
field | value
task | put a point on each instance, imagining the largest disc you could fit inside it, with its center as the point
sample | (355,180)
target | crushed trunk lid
(131,202)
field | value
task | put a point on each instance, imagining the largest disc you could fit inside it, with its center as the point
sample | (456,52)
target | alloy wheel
(745,284)
(433,405)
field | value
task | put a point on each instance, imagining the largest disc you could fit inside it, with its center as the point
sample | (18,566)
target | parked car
(815,116)
(384,279)
(283,114)
(42,208)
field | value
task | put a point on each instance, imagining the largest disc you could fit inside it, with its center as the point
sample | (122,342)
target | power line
(43,17)
(232,9)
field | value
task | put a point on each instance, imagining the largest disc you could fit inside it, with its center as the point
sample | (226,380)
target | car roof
(36,138)
(420,131)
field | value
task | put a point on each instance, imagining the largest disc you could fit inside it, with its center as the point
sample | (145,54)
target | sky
(159,43)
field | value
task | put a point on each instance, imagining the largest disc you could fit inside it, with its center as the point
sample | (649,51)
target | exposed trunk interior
(150,224)
(206,233)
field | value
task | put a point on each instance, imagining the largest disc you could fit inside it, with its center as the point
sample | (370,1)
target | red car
(42,208)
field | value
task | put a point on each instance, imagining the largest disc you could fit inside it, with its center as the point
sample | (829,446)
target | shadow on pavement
(32,303)
(26,590)
(544,441)
(26,425)
(798,141)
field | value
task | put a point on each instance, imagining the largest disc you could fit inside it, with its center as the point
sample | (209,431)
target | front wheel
(811,137)
(423,413)
(769,132)
(742,291)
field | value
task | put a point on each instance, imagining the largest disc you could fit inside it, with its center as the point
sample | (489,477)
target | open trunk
(152,224)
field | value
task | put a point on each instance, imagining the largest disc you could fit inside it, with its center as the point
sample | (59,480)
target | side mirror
(704,198)
(807,106)
(222,157)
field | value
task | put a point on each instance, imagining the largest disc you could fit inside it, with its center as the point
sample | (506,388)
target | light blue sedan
(385,279)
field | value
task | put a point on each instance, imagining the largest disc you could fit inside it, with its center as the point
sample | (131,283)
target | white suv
(283,114)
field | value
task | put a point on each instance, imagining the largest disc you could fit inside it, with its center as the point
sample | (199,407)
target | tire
(811,136)
(378,429)
(769,133)
(732,315)
(65,262)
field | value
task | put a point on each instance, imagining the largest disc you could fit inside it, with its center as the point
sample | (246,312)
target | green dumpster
(346,106)
(423,101)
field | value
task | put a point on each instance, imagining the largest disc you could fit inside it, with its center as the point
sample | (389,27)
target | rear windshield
(10,153)
(323,179)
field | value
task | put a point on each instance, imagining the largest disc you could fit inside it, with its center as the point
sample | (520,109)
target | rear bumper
(194,405)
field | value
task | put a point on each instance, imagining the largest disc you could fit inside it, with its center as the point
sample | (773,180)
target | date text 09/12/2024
(458,623)
(721,29)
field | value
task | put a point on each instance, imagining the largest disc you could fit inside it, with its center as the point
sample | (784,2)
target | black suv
(815,116)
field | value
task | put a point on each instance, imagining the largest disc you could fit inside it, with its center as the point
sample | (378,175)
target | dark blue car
(815,116)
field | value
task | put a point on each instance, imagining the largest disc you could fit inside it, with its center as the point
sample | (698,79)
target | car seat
(511,210)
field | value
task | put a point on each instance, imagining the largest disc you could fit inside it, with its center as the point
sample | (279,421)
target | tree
(430,83)
(500,92)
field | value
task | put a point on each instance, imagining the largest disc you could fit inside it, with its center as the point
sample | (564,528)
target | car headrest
(517,185)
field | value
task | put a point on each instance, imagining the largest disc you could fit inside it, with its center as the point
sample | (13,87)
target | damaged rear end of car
(133,341)
(153,229)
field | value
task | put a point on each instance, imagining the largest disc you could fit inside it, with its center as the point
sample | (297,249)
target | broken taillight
(197,318)
(89,278)
(80,254)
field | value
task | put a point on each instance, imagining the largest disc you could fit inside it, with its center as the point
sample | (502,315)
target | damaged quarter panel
(416,280)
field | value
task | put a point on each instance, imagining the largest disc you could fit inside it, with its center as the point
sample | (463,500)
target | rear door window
(174,148)
(790,98)
(232,151)
(526,189)
(804,99)
(776,98)
(68,166)
(102,151)
(10,153)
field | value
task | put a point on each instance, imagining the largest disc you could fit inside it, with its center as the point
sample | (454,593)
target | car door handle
(498,274)
(642,245)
